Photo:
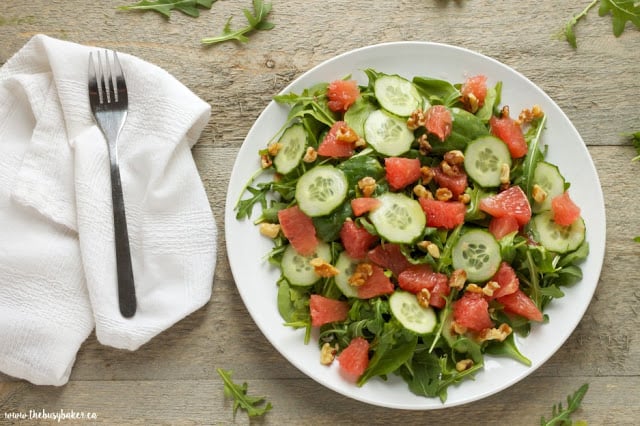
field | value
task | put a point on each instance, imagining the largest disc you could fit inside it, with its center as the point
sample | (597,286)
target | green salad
(417,225)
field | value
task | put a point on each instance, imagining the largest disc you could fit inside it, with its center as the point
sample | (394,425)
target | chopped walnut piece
(430,248)
(265,161)
(498,334)
(538,194)
(274,148)
(270,230)
(323,268)
(363,271)
(423,296)
(443,194)
(417,119)
(424,147)
(346,134)
(528,115)
(504,173)
(367,185)
(421,191)
(360,143)
(457,279)
(328,353)
(458,328)
(310,155)
(489,288)
(464,198)
(426,174)
(471,103)
(454,157)
(474,288)
(464,365)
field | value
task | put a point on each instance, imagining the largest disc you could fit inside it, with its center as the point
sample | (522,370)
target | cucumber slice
(346,267)
(293,144)
(478,253)
(397,95)
(398,219)
(406,309)
(296,267)
(548,177)
(387,134)
(483,160)
(320,190)
(557,238)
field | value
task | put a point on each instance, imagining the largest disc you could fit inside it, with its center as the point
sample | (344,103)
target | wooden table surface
(173,379)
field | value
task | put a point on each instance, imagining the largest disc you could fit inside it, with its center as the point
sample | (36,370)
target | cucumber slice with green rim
(397,95)
(398,218)
(346,267)
(478,253)
(320,190)
(387,134)
(406,309)
(483,160)
(557,238)
(296,267)
(293,144)
(548,177)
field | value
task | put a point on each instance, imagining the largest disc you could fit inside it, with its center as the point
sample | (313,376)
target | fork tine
(108,79)
(121,86)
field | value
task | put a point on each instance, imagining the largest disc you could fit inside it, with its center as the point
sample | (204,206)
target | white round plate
(256,279)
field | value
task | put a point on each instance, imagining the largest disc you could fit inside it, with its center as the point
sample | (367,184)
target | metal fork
(109,103)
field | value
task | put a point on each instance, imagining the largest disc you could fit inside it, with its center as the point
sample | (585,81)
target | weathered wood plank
(172,379)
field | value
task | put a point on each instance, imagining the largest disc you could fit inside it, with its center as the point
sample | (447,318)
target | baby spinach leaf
(437,91)
(394,347)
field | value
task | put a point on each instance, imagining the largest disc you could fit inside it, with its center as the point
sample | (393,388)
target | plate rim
(594,232)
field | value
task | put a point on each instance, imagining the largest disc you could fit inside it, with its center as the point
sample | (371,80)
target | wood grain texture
(172,379)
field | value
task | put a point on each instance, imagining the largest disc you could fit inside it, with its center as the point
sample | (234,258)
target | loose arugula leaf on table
(562,416)
(621,11)
(253,405)
(635,140)
(164,7)
(257,20)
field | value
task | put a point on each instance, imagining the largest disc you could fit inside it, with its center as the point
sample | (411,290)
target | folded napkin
(57,256)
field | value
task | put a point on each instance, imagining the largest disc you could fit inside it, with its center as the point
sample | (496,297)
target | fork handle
(126,287)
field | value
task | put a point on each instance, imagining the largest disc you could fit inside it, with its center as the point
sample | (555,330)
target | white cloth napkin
(57,256)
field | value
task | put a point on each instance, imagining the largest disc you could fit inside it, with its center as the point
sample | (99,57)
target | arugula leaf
(621,11)
(569,32)
(635,140)
(251,404)
(561,416)
(164,7)
(256,21)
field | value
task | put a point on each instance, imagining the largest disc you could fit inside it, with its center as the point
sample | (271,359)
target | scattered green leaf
(562,416)
(569,32)
(256,21)
(164,7)
(635,140)
(253,405)
(621,11)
